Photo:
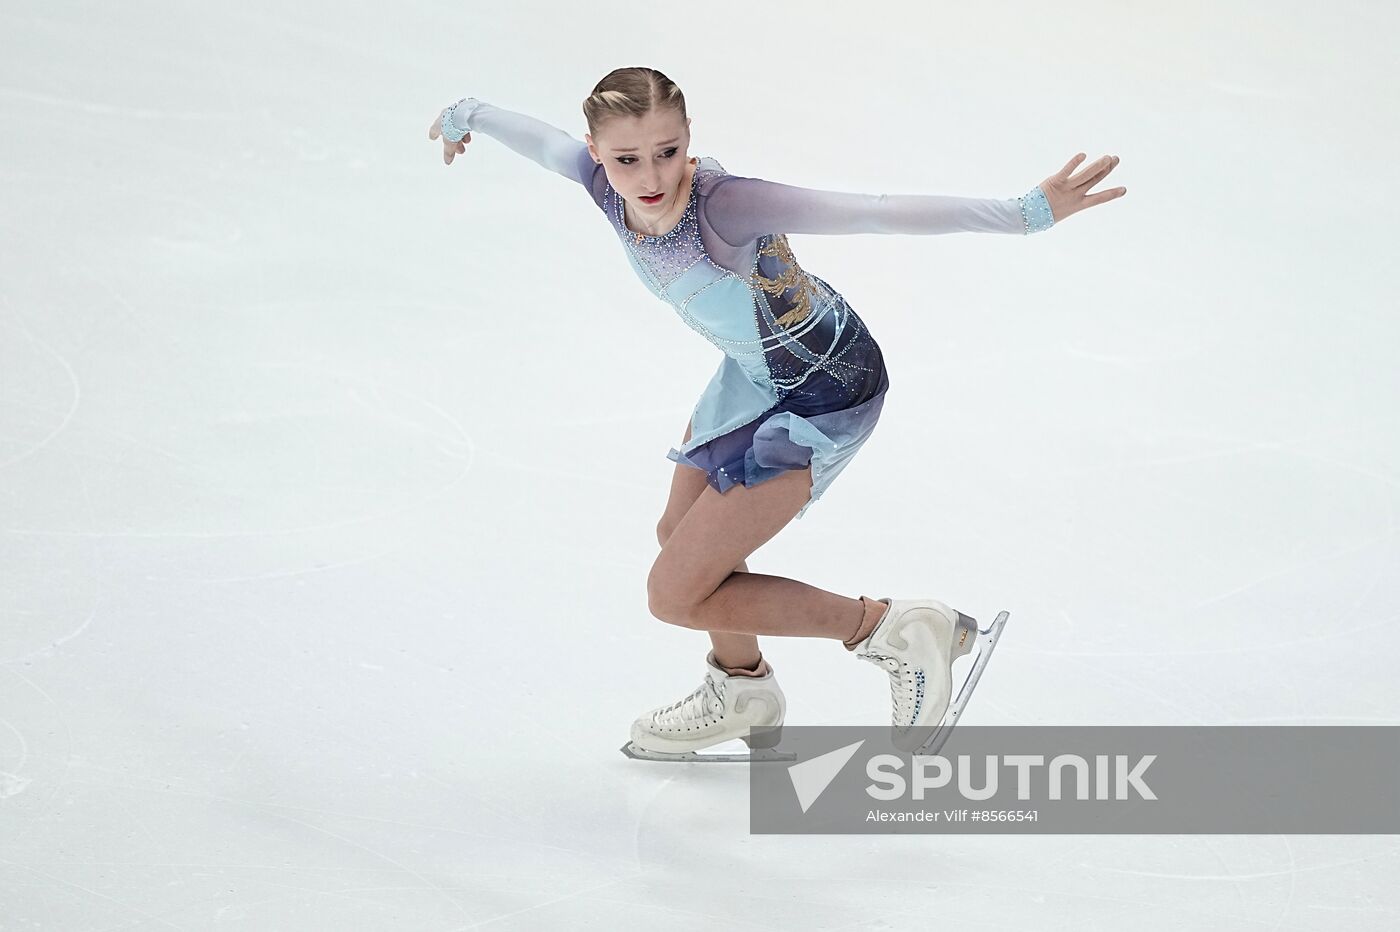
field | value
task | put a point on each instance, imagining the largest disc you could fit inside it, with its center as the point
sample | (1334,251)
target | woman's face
(645,155)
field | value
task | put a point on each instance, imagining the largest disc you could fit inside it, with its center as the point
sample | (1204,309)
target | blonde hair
(631,92)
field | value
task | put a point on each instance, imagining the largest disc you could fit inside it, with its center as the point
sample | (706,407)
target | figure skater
(798,391)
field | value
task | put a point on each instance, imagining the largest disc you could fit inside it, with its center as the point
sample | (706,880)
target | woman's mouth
(654,199)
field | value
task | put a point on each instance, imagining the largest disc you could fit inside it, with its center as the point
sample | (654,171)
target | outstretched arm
(537,140)
(741,209)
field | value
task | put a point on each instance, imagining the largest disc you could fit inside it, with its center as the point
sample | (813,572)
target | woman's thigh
(686,485)
(718,533)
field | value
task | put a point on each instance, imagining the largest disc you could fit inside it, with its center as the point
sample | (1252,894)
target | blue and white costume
(802,380)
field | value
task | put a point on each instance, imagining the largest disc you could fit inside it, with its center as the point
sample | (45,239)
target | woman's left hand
(1068,195)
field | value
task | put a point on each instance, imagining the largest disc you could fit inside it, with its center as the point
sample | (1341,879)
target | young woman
(797,393)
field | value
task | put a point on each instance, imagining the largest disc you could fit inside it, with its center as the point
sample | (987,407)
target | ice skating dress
(802,380)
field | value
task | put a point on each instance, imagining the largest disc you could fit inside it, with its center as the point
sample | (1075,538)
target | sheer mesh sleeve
(537,140)
(741,209)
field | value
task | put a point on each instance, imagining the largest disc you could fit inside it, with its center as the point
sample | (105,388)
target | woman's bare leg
(731,651)
(691,584)
(736,651)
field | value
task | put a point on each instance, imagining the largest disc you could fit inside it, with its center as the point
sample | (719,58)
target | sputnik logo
(811,777)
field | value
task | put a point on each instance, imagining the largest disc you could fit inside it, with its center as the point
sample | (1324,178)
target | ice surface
(322,578)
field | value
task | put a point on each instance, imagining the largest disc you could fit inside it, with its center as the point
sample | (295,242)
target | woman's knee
(670,600)
(666,602)
(663,531)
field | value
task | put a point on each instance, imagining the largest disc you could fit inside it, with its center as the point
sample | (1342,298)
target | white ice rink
(326,513)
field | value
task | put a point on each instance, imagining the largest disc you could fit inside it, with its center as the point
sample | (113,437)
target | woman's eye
(670,153)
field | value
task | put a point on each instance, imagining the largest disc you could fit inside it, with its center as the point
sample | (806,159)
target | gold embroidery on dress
(792,276)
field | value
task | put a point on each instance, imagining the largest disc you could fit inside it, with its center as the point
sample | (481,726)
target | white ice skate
(916,642)
(722,709)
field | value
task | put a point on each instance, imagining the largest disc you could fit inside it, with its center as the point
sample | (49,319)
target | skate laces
(705,701)
(904,687)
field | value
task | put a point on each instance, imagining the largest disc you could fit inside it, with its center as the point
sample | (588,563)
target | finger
(1102,196)
(1092,173)
(461,147)
(1109,166)
(1069,166)
(1103,173)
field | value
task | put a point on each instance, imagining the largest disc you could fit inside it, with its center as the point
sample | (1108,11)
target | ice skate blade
(756,756)
(992,634)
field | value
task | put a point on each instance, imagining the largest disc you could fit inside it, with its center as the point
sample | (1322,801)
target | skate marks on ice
(988,638)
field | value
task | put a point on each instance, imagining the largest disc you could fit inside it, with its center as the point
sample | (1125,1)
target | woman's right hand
(450,149)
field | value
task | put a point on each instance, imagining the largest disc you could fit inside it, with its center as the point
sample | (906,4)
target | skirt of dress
(795,433)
